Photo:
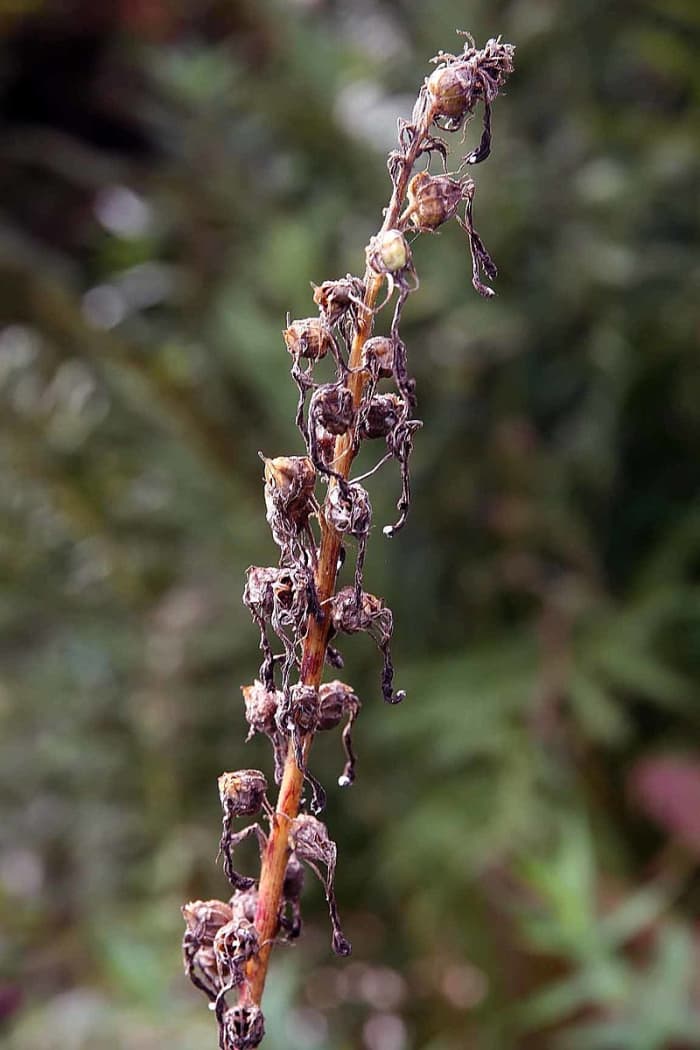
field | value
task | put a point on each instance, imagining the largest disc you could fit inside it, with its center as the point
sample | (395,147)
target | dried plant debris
(314,510)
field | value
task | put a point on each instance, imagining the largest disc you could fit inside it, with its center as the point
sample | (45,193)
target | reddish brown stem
(274,861)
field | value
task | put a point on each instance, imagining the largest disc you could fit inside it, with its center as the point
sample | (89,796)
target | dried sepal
(481,260)
(372,616)
(310,841)
(337,701)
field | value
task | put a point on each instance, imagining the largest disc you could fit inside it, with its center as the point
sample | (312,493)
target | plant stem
(274,860)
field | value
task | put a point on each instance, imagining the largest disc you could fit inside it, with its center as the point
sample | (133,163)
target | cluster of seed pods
(370,396)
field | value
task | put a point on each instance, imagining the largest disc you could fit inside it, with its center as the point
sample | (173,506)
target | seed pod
(260,707)
(378,357)
(432,199)
(381,415)
(331,407)
(289,491)
(308,338)
(240,1027)
(234,944)
(242,793)
(338,298)
(450,88)
(388,252)
(203,920)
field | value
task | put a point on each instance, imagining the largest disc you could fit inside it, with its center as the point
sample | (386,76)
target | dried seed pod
(296,718)
(283,597)
(378,357)
(290,501)
(388,252)
(451,92)
(241,1027)
(260,707)
(336,700)
(310,841)
(338,299)
(370,615)
(432,200)
(381,414)
(309,338)
(234,944)
(331,412)
(203,920)
(242,794)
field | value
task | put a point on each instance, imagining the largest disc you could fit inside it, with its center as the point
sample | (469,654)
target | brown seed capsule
(338,298)
(450,89)
(388,252)
(260,707)
(332,408)
(378,356)
(242,793)
(204,918)
(289,486)
(381,416)
(432,199)
(308,338)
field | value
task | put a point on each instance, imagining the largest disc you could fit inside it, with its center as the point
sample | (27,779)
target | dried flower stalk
(227,945)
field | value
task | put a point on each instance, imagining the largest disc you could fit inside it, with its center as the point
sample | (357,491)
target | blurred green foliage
(173,177)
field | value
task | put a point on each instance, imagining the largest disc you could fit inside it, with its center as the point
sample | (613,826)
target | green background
(518,858)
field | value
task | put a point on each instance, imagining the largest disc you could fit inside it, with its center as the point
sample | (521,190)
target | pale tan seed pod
(388,252)
(432,200)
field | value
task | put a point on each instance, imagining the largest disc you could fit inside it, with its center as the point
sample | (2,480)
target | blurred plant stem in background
(165,175)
